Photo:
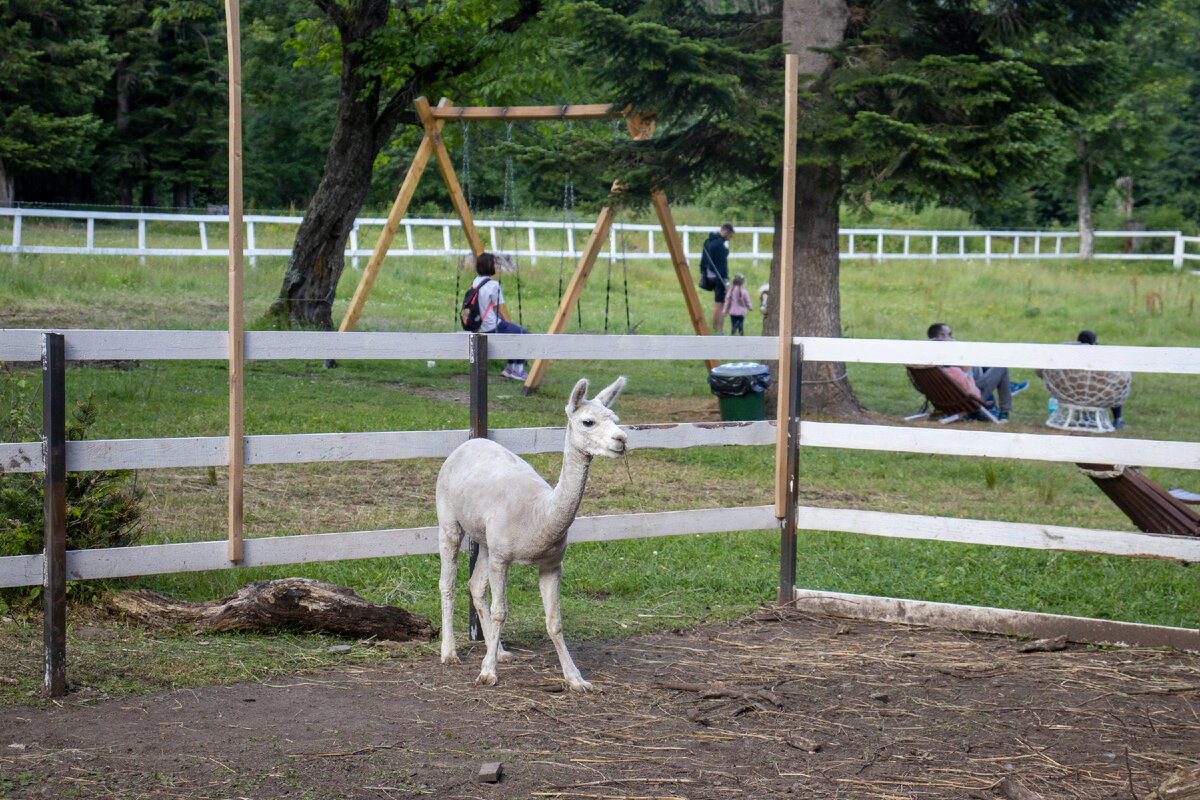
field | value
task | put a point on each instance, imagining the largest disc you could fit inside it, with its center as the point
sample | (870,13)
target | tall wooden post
(787,439)
(54,558)
(236,322)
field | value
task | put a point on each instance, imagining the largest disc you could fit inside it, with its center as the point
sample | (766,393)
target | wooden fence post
(54,562)
(787,540)
(478,349)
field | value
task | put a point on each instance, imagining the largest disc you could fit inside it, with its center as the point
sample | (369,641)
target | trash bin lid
(739,368)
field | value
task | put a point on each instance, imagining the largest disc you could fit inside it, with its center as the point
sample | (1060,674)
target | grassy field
(643,585)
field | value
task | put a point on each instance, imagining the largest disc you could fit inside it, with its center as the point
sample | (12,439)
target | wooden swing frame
(432,144)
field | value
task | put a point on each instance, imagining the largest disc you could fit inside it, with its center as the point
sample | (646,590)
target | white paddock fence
(144,234)
(992,442)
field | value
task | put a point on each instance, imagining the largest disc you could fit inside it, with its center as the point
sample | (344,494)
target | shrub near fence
(24,345)
(163,234)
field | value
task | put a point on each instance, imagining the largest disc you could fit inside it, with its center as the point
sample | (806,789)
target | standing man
(715,258)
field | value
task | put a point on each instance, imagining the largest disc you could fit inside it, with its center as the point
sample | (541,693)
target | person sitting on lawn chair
(980,381)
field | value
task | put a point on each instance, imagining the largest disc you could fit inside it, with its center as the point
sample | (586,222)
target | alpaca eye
(587,423)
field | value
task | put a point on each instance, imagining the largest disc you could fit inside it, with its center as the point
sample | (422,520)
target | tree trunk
(1083,200)
(7,187)
(317,259)
(816,293)
(284,603)
(121,125)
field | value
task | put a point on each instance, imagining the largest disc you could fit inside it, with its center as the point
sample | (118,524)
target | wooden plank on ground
(995,620)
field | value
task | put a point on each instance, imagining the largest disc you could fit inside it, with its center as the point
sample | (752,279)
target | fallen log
(283,603)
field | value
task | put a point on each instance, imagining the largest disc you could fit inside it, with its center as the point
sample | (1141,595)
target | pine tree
(54,60)
(919,100)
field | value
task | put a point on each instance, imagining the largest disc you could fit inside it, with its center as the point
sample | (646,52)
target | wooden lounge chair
(947,399)
(1152,508)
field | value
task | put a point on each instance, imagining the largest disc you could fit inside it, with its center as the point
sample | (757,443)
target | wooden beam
(682,271)
(783,381)
(399,209)
(236,312)
(434,129)
(587,260)
(600,111)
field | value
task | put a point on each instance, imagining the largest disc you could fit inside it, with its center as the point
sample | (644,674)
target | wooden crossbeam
(431,145)
(600,111)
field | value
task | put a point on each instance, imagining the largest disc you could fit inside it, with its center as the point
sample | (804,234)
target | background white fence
(25,345)
(77,234)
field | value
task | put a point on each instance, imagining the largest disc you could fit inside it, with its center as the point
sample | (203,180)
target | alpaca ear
(577,395)
(609,394)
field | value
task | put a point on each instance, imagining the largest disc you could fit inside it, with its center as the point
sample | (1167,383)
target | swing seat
(948,400)
(1152,508)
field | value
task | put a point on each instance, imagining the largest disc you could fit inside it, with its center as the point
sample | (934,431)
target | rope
(1117,471)
(465,168)
(568,226)
(510,204)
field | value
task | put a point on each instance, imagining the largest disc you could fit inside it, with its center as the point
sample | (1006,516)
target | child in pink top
(737,303)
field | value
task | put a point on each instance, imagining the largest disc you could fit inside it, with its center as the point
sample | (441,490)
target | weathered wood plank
(1037,447)
(994,620)
(1003,534)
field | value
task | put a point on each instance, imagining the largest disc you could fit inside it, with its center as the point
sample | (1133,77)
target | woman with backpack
(489,298)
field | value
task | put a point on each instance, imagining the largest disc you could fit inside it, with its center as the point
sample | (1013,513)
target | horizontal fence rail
(131,233)
(25,345)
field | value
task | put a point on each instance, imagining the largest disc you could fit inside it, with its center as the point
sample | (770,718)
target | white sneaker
(518,373)
(507,373)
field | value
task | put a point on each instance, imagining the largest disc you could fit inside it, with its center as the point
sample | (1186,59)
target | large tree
(54,60)
(388,53)
(920,100)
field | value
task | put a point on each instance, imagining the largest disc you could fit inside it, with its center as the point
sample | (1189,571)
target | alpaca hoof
(581,686)
(450,658)
(504,657)
(485,679)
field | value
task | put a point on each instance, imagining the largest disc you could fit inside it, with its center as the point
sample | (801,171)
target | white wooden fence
(25,345)
(440,237)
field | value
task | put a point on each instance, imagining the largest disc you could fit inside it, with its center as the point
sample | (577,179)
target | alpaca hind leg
(549,581)
(498,578)
(449,537)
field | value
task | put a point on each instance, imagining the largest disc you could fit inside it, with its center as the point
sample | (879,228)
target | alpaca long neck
(568,493)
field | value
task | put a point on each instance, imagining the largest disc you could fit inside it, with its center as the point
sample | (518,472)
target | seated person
(980,381)
(1087,337)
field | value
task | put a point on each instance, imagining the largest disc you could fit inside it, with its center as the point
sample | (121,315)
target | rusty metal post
(54,562)
(478,349)
(787,542)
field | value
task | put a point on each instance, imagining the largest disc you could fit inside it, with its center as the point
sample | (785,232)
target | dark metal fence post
(479,430)
(54,563)
(787,543)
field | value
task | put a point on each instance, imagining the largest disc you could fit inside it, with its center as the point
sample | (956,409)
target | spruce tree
(918,100)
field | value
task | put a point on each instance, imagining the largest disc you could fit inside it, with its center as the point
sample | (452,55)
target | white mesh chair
(1085,398)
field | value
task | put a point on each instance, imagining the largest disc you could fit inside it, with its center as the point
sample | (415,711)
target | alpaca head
(591,424)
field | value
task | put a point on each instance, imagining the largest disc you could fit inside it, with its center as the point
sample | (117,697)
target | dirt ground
(779,704)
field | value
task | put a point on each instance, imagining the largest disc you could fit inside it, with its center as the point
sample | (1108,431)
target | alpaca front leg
(478,586)
(549,581)
(448,549)
(498,578)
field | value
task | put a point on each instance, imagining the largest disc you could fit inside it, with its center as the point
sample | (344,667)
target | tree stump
(283,603)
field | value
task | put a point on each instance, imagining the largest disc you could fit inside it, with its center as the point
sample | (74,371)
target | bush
(104,508)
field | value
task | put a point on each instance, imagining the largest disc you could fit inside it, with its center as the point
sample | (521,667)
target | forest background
(124,103)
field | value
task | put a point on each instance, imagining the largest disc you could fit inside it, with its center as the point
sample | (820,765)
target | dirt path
(791,706)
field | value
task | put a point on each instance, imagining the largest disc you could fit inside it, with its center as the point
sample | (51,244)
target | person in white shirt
(491,310)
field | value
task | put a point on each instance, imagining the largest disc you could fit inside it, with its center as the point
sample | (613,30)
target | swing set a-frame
(433,118)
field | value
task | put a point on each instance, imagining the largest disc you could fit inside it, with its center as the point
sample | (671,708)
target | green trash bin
(739,387)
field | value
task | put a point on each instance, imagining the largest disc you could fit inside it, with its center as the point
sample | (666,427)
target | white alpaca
(496,499)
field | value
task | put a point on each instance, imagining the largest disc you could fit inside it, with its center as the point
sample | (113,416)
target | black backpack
(470,315)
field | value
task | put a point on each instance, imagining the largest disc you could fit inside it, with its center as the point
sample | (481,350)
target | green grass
(626,587)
